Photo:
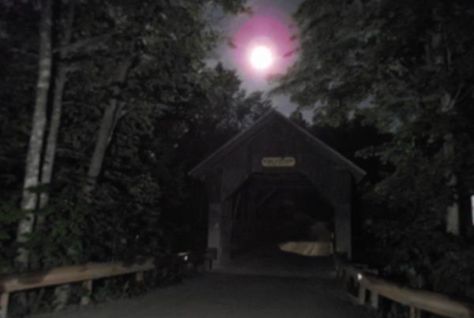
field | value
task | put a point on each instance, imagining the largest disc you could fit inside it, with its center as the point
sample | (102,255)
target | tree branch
(90,43)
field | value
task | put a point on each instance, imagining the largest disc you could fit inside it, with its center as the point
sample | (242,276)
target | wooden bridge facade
(275,148)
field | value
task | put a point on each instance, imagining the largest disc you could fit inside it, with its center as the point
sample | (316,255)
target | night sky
(270,23)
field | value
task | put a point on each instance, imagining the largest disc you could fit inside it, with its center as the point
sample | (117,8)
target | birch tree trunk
(29,200)
(51,142)
(107,126)
(55,121)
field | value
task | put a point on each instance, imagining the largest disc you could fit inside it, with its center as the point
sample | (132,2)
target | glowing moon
(261,58)
(261,45)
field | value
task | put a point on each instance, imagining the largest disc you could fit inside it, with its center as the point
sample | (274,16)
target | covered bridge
(259,176)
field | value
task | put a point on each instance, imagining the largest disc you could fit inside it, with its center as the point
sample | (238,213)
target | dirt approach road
(228,296)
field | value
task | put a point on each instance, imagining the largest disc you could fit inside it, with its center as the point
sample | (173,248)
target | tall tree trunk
(61,293)
(55,121)
(29,200)
(51,142)
(452,211)
(436,57)
(107,126)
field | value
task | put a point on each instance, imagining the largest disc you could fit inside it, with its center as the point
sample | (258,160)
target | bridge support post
(342,213)
(220,231)
(343,230)
(214,230)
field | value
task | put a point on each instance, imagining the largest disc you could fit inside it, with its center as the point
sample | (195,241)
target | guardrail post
(362,293)
(4,297)
(139,277)
(346,278)
(61,296)
(87,287)
(374,299)
(414,312)
(211,255)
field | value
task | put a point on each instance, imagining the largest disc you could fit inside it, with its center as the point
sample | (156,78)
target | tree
(20,67)
(404,67)
(60,80)
(124,79)
(33,160)
(187,40)
(114,62)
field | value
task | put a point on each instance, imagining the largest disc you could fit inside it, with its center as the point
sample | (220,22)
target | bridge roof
(207,166)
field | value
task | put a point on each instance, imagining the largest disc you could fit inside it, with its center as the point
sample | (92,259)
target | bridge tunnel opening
(272,209)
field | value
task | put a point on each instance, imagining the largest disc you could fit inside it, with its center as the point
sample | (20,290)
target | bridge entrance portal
(276,182)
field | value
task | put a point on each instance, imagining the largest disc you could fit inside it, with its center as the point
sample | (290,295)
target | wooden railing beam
(416,300)
(75,274)
(70,274)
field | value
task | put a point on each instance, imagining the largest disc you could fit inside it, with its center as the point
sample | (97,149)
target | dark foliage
(401,67)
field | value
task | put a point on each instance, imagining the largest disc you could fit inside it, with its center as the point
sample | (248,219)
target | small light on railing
(359,276)
(184,256)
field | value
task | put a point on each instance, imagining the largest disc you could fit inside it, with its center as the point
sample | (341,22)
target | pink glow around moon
(262,44)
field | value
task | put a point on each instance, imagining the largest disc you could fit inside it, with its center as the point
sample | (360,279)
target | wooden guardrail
(371,288)
(82,273)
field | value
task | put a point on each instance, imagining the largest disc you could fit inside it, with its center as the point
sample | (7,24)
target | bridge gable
(274,144)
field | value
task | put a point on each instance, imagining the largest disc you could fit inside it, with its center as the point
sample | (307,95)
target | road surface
(248,289)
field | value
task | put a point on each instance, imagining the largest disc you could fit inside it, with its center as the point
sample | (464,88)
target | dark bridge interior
(273,208)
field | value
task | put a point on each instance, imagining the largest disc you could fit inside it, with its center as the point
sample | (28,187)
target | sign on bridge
(278,162)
